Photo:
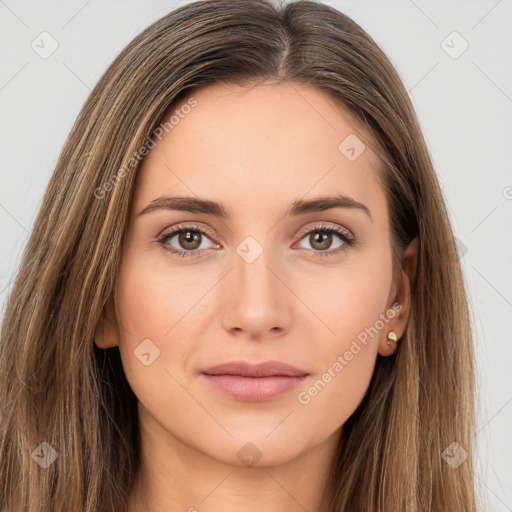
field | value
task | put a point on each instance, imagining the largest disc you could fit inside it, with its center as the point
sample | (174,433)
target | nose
(258,301)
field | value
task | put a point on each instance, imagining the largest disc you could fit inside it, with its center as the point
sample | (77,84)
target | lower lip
(254,389)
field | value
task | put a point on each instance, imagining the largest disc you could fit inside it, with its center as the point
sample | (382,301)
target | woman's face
(267,280)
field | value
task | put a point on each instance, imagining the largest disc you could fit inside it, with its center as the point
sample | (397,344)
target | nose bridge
(256,283)
(253,268)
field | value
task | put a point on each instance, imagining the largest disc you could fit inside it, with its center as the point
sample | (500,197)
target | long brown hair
(58,387)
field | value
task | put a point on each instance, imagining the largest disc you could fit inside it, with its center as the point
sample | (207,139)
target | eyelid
(324,225)
(192,226)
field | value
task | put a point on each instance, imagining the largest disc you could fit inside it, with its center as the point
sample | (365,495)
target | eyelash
(347,240)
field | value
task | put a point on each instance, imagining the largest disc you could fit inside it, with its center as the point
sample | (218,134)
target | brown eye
(189,239)
(188,243)
(320,240)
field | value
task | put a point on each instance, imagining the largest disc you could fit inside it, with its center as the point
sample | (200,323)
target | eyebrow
(299,207)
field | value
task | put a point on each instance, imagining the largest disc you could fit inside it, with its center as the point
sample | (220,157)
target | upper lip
(246,369)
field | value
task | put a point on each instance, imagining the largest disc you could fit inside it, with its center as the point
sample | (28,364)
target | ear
(107,331)
(402,296)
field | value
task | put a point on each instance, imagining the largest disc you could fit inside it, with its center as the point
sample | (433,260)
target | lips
(265,369)
(248,382)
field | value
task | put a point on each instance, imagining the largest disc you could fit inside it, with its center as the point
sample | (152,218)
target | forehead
(271,143)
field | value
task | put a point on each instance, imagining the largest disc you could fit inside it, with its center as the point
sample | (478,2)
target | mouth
(254,382)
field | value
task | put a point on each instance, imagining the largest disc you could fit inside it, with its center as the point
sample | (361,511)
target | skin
(256,151)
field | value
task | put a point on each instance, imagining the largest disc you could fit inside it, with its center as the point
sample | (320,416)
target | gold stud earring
(392,337)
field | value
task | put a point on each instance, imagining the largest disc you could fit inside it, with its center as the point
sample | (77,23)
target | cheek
(163,313)
(351,313)
(156,301)
(350,301)
(151,314)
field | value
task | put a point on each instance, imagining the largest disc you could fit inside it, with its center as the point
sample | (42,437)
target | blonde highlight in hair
(56,386)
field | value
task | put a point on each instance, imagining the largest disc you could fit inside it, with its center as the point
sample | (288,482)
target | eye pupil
(323,238)
(189,237)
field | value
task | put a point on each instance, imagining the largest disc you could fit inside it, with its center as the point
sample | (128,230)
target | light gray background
(464,105)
